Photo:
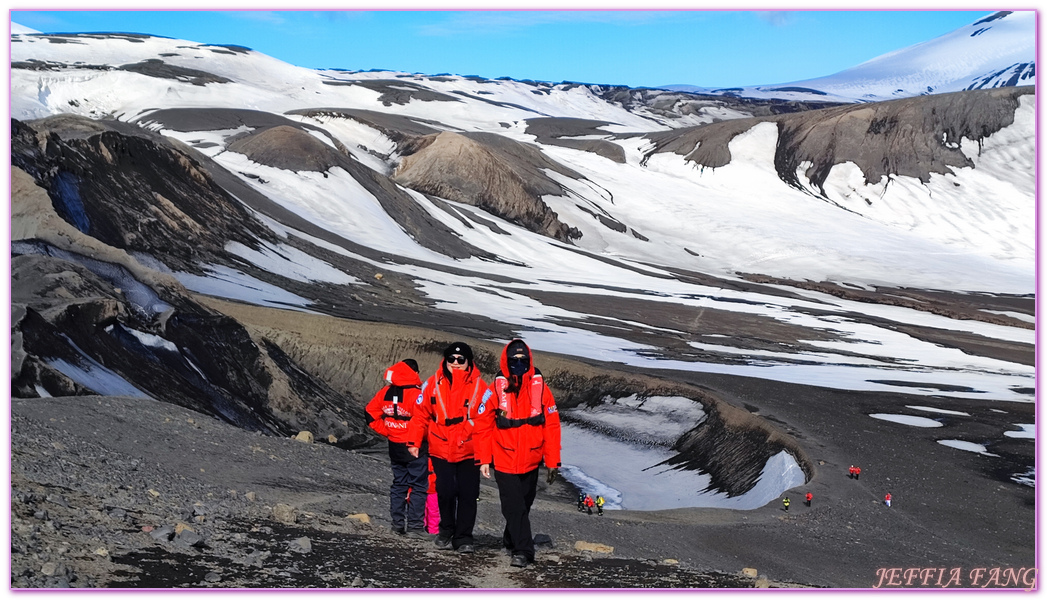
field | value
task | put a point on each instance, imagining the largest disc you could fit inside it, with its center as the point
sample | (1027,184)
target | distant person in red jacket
(850,472)
(526,431)
(857,472)
(391,411)
(809,497)
(432,504)
(589,504)
(887,499)
(451,412)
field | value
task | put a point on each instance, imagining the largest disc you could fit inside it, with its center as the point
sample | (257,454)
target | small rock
(543,540)
(304,436)
(212,577)
(102,552)
(147,528)
(188,537)
(118,514)
(255,557)
(250,496)
(670,561)
(41,514)
(361,517)
(285,514)
(763,583)
(332,439)
(302,545)
(49,569)
(179,528)
(551,557)
(154,493)
(358,582)
(593,547)
(749,572)
(162,534)
(199,518)
(378,276)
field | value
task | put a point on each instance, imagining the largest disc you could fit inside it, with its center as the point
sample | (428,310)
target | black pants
(516,493)
(413,476)
(457,489)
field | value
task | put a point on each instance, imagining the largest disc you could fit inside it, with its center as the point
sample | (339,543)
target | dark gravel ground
(103,489)
(120,492)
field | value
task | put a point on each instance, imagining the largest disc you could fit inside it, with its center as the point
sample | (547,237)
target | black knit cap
(517,347)
(459,348)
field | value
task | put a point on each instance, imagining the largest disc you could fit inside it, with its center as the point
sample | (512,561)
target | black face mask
(519,366)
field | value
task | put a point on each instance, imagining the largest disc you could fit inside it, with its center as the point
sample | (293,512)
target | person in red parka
(526,431)
(391,410)
(449,413)
(809,497)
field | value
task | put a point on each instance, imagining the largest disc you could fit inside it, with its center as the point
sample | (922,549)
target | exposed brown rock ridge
(490,172)
(912,137)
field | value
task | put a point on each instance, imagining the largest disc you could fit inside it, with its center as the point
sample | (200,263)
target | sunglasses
(457,360)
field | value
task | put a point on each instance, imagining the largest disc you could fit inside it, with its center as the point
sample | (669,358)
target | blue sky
(714,48)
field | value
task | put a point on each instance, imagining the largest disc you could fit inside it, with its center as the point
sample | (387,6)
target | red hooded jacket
(526,426)
(392,407)
(451,411)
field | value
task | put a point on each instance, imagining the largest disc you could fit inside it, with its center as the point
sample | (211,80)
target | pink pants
(432,513)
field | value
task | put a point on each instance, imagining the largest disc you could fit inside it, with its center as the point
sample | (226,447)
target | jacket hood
(401,374)
(505,358)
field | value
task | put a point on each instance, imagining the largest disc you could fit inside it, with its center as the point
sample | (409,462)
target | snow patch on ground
(907,420)
(940,410)
(967,446)
(1028,431)
(224,282)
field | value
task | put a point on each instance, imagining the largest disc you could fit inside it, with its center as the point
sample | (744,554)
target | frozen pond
(626,475)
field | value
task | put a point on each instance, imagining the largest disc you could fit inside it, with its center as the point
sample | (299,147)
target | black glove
(551,477)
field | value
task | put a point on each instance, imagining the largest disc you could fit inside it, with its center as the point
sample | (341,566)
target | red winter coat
(450,412)
(392,411)
(526,425)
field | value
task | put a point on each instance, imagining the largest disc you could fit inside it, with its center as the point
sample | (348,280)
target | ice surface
(94,376)
(658,420)
(627,475)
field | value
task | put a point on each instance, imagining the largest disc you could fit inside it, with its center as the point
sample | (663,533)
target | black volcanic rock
(134,192)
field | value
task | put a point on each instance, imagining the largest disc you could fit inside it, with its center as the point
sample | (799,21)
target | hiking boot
(466,549)
(418,534)
(398,530)
(519,560)
(443,542)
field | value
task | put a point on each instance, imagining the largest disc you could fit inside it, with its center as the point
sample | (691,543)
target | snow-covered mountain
(878,247)
(996,51)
